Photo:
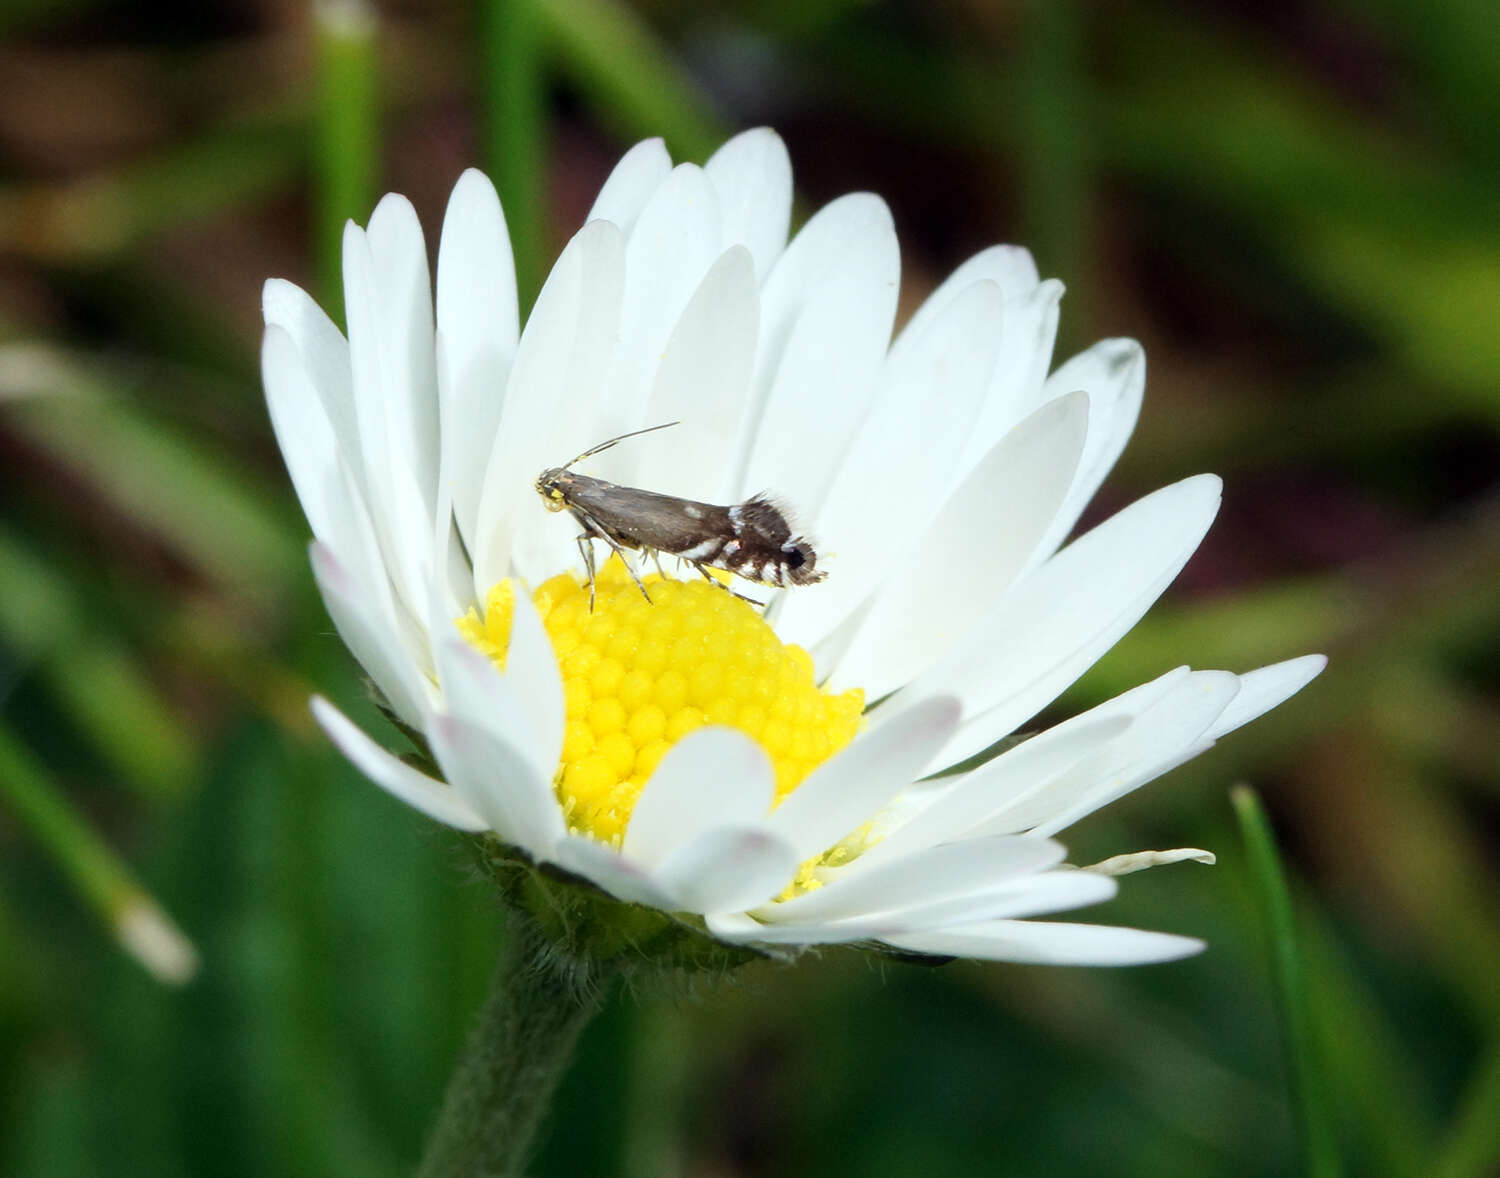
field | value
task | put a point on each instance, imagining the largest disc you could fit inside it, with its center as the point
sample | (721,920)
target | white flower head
(691,754)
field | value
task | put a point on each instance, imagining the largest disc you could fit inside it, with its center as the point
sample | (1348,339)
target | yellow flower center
(638,676)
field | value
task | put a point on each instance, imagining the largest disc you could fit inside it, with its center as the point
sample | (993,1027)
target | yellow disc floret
(638,676)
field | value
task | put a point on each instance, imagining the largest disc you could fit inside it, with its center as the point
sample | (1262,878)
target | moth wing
(769,533)
(770,519)
(663,522)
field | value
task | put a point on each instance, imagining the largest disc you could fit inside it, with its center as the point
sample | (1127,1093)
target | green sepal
(583,924)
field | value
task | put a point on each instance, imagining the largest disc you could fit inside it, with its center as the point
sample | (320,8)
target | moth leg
(593,530)
(586,547)
(620,552)
(656,560)
(634,576)
(718,584)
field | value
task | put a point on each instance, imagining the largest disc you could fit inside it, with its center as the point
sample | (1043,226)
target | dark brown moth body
(752,539)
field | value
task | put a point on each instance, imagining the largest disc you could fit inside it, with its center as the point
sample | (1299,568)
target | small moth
(752,539)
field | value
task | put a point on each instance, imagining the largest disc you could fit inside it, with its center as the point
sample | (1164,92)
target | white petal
(499,782)
(1128,704)
(325,358)
(639,173)
(851,787)
(413,534)
(703,383)
(346,532)
(611,871)
(402,519)
(477,329)
(710,778)
(1027,331)
(1026,896)
(405,289)
(1262,690)
(302,431)
(985,532)
(1135,861)
(935,873)
(826,314)
(1033,895)
(355,543)
(475,691)
(738,928)
(367,378)
(1053,625)
(453,575)
(872,519)
(830,650)
(1048,943)
(310,398)
(1158,737)
(531,666)
(370,638)
(975,797)
(752,176)
(400,780)
(668,253)
(726,869)
(550,411)
(1113,374)
(1009,267)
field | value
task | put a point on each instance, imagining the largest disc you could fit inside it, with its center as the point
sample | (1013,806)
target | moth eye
(795,559)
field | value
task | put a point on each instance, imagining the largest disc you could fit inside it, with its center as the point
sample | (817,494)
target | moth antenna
(602,446)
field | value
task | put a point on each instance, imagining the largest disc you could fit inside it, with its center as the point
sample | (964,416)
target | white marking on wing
(702,550)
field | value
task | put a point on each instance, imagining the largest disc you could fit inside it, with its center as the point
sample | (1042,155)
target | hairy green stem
(537,1005)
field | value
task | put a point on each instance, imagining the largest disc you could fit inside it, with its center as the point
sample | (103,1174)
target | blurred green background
(1296,207)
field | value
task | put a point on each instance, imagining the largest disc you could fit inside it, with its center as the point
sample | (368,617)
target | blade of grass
(1472,1149)
(51,1120)
(133,918)
(347,145)
(1452,45)
(661,1061)
(958,98)
(1392,233)
(1053,142)
(512,87)
(1382,1100)
(635,82)
(1427,856)
(106,213)
(169,485)
(1318,1150)
(1203,1098)
(105,691)
(1454,726)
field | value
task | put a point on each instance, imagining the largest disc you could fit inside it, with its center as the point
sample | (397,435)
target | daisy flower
(765,777)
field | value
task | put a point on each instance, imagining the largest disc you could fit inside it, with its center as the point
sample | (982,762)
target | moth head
(549,487)
(801,562)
